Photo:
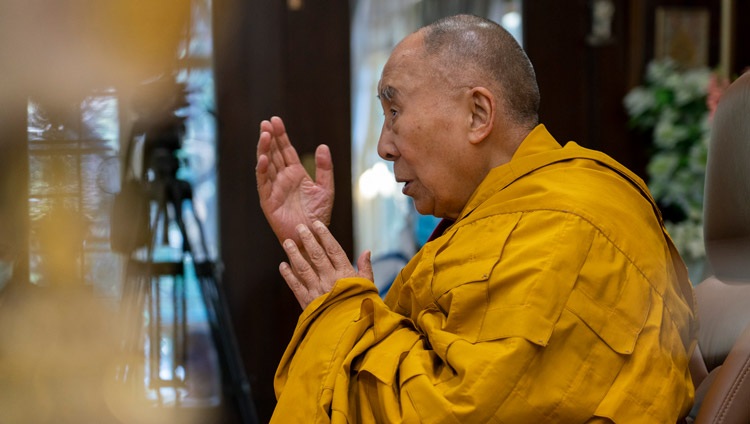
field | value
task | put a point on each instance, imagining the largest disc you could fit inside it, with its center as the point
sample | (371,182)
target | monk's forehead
(409,61)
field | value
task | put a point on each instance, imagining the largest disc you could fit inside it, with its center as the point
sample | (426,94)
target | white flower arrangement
(671,106)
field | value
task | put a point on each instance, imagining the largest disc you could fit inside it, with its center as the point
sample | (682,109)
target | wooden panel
(248,81)
(554,35)
(274,61)
(317,96)
(741,45)
(582,83)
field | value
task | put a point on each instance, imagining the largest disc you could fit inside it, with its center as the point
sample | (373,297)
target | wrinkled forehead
(407,62)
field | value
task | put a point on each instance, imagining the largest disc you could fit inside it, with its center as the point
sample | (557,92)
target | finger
(269,145)
(265,175)
(262,150)
(298,289)
(304,271)
(317,254)
(267,192)
(333,250)
(275,154)
(262,161)
(265,168)
(264,144)
(288,152)
(324,167)
(278,126)
(364,266)
(261,168)
(261,174)
(266,126)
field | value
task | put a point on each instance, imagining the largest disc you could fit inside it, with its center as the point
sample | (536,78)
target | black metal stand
(143,292)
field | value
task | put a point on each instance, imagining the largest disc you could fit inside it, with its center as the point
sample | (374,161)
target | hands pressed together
(298,209)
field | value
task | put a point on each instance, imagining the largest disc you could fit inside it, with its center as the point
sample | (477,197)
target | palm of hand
(295,198)
(288,195)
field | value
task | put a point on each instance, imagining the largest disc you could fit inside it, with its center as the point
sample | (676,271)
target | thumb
(364,265)
(324,168)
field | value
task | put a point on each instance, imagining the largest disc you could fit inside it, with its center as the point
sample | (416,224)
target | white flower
(658,71)
(661,168)
(698,155)
(694,85)
(639,100)
(667,133)
(688,86)
(688,237)
(672,105)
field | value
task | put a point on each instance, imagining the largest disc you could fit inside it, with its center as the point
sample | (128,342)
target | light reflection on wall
(378,180)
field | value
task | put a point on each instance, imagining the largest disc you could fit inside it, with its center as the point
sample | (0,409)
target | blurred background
(138,277)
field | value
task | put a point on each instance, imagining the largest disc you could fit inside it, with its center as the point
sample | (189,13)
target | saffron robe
(557,296)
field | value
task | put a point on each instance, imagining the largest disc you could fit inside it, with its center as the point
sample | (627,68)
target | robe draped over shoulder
(557,296)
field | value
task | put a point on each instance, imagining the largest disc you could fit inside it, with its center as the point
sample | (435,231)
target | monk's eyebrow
(387,93)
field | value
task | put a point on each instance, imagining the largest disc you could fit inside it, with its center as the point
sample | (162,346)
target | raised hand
(313,274)
(288,195)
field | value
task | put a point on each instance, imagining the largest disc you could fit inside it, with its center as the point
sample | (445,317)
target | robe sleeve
(331,331)
(504,338)
(361,360)
(354,359)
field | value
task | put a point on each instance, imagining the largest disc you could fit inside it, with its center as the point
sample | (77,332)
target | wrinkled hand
(288,195)
(314,274)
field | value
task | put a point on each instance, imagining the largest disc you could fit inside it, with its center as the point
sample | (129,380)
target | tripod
(170,369)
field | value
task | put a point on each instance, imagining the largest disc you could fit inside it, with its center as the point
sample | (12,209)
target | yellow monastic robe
(556,297)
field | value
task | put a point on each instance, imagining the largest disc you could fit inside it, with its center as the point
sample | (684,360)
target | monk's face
(424,132)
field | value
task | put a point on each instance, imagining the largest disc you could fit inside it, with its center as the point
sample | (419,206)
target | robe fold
(556,296)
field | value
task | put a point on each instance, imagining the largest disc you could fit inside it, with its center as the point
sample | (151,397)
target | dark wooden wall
(583,84)
(741,49)
(272,59)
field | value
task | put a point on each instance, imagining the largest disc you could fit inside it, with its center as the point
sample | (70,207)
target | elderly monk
(550,293)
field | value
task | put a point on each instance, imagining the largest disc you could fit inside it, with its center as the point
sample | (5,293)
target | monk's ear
(484,105)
